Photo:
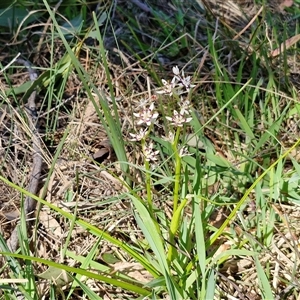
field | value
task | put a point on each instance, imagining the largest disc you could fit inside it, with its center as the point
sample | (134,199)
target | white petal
(151,107)
(176,70)
(164,82)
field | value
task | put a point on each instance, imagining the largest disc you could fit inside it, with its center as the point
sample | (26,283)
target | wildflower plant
(145,119)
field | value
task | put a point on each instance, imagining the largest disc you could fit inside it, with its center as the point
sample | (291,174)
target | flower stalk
(177,170)
(146,118)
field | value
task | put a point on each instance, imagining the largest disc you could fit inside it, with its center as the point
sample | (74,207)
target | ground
(108,218)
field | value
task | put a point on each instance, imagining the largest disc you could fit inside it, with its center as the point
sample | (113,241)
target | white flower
(170,138)
(176,70)
(184,152)
(150,154)
(186,82)
(146,116)
(139,136)
(143,102)
(185,107)
(183,81)
(168,88)
(178,119)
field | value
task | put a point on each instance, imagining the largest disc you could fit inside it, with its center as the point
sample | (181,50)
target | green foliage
(232,134)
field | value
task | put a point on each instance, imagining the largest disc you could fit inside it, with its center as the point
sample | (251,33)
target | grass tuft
(170,147)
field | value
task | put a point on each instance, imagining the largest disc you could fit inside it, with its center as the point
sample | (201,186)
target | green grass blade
(149,228)
(93,229)
(106,279)
(111,123)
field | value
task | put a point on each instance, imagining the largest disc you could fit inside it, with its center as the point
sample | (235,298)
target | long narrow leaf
(93,229)
(107,279)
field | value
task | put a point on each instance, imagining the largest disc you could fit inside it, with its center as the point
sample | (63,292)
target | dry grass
(87,179)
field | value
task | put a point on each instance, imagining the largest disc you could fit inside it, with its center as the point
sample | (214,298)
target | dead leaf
(134,270)
(101,154)
(50,224)
(284,4)
(141,276)
(104,152)
(223,247)
(218,217)
(58,276)
(12,215)
(285,45)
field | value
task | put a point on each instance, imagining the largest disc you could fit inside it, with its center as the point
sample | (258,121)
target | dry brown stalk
(30,204)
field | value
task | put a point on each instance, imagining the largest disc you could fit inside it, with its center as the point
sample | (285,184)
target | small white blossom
(185,107)
(170,138)
(184,111)
(184,152)
(143,102)
(183,81)
(177,83)
(176,70)
(186,82)
(146,116)
(139,136)
(178,119)
(168,88)
(150,154)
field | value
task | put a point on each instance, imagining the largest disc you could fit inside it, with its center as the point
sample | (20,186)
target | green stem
(177,171)
(148,189)
(148,178)
(173,229)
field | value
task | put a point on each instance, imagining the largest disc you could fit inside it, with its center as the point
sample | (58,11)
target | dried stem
(30,204)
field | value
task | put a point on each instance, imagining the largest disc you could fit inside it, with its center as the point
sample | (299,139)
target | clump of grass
(216,179)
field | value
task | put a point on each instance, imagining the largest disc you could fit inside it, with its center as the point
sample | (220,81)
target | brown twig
(30,204)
